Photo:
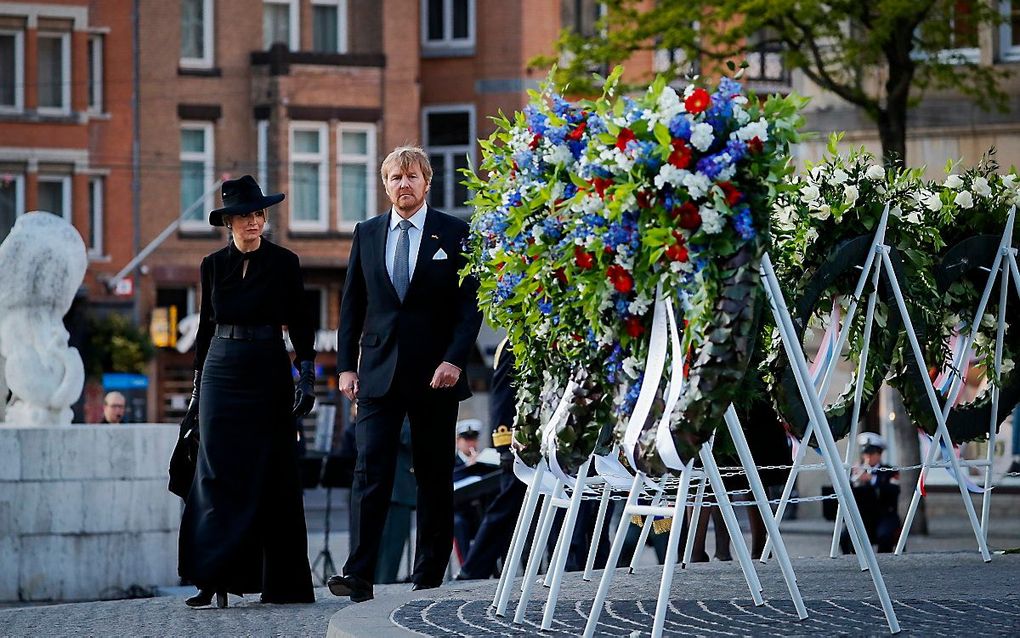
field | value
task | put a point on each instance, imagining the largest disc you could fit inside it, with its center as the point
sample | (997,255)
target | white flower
(809,193)
(739,114)
(632,367)
(811,235)
(711,221)
(702,136)
(933,202)
(640,305)
(953,181)
(839,176)
(759,129)
(1007,366)
(1009,181)
(823,212)
(964,199)
(980,186)
(850,193)
(559,155)
(875,173)
(697,184)
(785,217)
(669,174)
(914,216)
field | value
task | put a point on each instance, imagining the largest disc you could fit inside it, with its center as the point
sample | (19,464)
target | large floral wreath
(584,210)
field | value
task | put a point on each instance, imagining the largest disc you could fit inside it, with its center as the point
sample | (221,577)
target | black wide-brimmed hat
(242,196)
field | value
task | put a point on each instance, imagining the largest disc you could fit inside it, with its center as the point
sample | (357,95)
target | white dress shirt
(414,239)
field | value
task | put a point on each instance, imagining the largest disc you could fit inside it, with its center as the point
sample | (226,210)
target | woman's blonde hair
(404,157)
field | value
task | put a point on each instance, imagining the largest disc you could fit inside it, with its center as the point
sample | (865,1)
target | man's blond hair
(405,157)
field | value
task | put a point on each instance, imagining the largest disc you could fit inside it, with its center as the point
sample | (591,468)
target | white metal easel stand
(1004,263)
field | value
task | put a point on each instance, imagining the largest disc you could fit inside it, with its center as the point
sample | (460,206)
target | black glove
(191,416)
(304,389)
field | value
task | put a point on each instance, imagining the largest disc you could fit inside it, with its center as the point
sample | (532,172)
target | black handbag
(185,457)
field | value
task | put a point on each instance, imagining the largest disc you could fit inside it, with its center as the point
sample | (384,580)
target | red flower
(535,141)
(733,196)
(754,145)
(634,326)
(681,155)
(626,135)
(677,252)
(688,216)
(697,102)
(620,278)
(601,184)
(561,276)
(583,258)
(577,132)
(643,200)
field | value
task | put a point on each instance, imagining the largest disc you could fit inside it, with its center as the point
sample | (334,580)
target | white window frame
(208,43)
(322,159)
(96,223)
(294,31)
(342,45)
(65,191)
(208,158)
(1008,52)
(65,63)
(448,41)
(19,71)
(450,151)
(262,152)
(370,161)
(95,97)
(19,194)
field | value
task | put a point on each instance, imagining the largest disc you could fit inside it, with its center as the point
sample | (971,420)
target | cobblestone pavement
(720,618)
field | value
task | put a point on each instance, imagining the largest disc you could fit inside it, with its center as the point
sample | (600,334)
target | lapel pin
(435,237)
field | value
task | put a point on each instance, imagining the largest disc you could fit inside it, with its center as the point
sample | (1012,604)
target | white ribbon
(653,372)
(553,427)
(664,435)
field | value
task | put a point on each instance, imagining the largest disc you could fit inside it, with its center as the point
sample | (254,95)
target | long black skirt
(243,528)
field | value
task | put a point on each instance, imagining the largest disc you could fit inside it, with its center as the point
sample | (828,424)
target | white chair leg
(557,568)
(669,565)
(600,521)
(513,559)
(537,549)
(643,536)
(692,526)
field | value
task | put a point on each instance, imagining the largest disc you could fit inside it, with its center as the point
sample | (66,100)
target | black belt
(248,333)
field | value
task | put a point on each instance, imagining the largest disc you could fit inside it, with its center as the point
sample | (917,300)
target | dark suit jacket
(437,321)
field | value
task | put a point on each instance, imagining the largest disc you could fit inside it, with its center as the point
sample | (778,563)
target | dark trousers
(433,416)
(493,538)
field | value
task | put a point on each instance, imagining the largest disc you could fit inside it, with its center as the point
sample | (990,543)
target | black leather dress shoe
(358,589)
(421,586)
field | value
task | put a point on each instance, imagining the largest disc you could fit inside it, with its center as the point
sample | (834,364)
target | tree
(879,55)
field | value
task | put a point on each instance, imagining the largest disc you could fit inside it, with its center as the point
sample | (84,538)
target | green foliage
(115,344)
(879,55)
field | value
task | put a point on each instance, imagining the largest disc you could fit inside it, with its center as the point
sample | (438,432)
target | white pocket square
(440,254)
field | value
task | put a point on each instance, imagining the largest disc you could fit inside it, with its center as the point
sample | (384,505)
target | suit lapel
(429,244)
(378,243)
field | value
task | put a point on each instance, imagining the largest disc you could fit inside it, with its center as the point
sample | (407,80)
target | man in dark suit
(413,323)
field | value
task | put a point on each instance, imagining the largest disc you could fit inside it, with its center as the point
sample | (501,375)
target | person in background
(1014,467)
(114,405)
(492,541)
(876,489)
(467,517)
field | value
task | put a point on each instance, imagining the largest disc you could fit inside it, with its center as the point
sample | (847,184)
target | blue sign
(124,381)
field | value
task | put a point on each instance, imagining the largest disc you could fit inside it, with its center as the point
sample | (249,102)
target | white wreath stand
(1005,263)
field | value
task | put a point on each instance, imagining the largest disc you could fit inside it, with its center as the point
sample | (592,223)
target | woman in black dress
(243,527)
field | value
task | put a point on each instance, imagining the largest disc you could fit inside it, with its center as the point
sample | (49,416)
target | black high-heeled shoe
(204,598)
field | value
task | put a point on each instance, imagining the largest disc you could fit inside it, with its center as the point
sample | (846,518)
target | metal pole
(986,497)
(699,499)
(537,549)
(600,521)
(828,448)
(559,566)
(669,565)
(506,579)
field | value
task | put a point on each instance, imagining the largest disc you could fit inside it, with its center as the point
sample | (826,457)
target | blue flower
(545,307)
(595,124)
(505,287)
(560,106)
(680,127)
(712,165)
(622,306)
(737,149)
(728,87)
(647,156)
(630,398)
(552,228)
(515,199)
(537,121)
(557,134)
(743,223)
(569,191)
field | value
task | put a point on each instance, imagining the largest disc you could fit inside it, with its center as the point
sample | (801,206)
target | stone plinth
(84,511)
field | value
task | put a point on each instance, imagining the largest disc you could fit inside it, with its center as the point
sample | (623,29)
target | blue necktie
(401,274)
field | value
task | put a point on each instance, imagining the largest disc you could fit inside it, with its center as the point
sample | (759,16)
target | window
(581,16)
(95,73)
(12,70)
(280,24)
(262,154)
(958,29)
(95,216)
(196,174)
(1009,31)
(12,202)
(329,26)
(449,140)
(765,58)
(355,173)
(196,33)
(54,72)
(309,176)
(183,298)
(55,195)
(448,24)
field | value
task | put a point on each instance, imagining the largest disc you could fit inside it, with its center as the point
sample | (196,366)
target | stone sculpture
(43,262)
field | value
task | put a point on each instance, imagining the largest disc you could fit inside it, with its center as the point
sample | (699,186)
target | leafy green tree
(115,344)
(879,55)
